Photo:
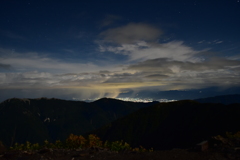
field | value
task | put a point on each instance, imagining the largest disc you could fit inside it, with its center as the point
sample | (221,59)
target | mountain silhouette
(36,120)
(180,124)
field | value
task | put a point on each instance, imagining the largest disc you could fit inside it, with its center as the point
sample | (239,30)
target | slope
(180,124)
(35,120)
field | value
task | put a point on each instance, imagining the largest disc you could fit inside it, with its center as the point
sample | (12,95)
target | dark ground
(98,154)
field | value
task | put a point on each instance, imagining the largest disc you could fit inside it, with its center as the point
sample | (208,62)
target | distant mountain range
(160,125)
(224,99)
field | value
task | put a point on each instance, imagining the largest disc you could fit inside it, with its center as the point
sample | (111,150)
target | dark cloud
(166,65)
(5,66)
(156,76)
(104,72)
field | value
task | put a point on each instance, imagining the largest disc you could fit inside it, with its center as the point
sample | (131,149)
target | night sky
(97,48)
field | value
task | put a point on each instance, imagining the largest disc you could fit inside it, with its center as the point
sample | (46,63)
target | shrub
(94,141)
(119,146)
(75,142)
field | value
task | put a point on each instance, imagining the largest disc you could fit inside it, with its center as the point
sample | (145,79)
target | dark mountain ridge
(36,120)
(180,124)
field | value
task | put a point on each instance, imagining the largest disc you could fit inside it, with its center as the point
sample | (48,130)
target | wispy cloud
(210,42)
(11,35)
(217,42)
(110,19)
(142,51)
(33,61)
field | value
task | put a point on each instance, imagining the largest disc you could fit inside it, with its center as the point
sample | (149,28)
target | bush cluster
(229,141)
(80,142)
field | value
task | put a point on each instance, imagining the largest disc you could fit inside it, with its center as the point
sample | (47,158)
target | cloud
(178,74)
(131,33)
(36,61)
(26,80)
(109,19)
(175,50)
(217,41)
(139,42)
(124,78)
(157,74)
(141,62)
(168,66)
(44,75)
(5,66)
(162,72)
(210,42)
(11,35)
(71,85)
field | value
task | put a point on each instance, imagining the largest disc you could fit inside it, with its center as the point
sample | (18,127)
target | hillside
(36,120)
(180,124)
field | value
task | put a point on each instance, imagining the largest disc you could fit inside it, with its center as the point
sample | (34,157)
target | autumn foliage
(80,142)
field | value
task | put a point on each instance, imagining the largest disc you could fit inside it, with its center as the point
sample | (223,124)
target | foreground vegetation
(80,142)
(229,141)
(84,148)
